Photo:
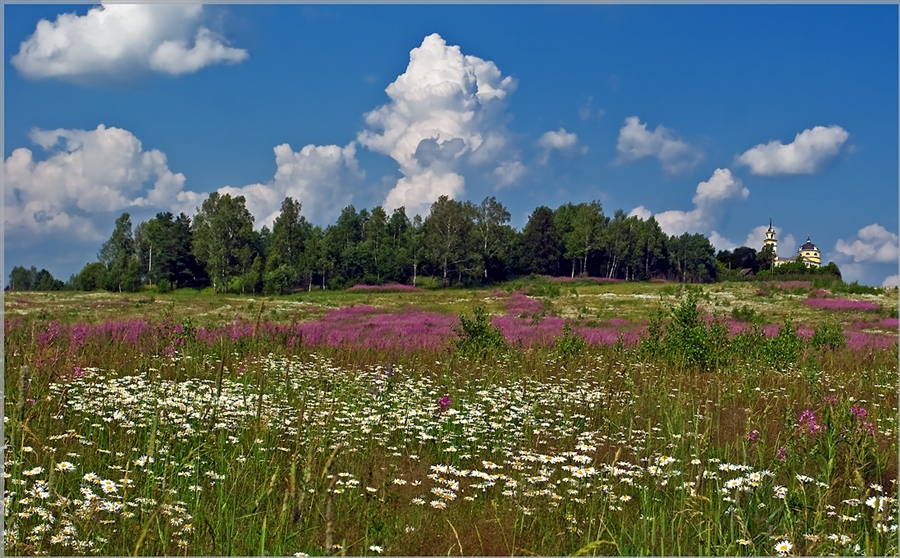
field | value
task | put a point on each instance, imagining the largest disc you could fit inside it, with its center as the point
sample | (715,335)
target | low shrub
(569,345)
(747,314)
(477,337)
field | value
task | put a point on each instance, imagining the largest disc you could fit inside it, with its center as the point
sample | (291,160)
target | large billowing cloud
(320,177)
(123,39)
(708,200)
(86,173)
(805,155)
(636,142)
(444,114)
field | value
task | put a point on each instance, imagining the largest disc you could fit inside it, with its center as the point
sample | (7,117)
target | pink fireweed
(608,336)
(526,332)
(862,426)
(781,454)
(808,420)
(841,304)
(870,341)
(519,304)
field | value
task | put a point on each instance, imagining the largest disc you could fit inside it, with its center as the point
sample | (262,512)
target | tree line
(458,242)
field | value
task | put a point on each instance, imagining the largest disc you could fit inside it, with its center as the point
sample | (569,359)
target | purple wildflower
(444,403)
(782,454)
(754,435)
(808,419)
(840,304)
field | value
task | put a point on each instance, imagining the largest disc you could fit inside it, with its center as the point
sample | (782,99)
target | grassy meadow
(537,417)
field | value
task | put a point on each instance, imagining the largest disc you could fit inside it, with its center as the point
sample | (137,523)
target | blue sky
(711,118)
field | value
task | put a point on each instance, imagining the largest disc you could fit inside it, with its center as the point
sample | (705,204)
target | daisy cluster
(555,447)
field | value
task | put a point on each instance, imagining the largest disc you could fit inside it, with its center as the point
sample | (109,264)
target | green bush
(541,287)
(477,337)
(747,314)
(686,340)
(568,345)
(784,349)
(855,288)
(829,336)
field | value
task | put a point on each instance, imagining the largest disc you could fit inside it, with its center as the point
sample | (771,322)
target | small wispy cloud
(636,142)
(562,142)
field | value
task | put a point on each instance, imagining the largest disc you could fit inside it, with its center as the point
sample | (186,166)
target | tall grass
(159,437)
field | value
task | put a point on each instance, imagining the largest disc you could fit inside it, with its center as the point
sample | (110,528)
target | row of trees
(458,242)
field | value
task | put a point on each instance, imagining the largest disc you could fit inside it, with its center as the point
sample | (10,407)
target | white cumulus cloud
(560,141)
(708,201)
(675,222)
(123,39)
(636,142)
(891,281)
(641,212)
(722,185)
(720,242)
(320,177)
(86,173)
(444,113)
(873,244)
(422,189)
(509,172)
(805,155)
(176,57)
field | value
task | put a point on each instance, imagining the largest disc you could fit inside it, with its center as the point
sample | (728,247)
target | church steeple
(770,238)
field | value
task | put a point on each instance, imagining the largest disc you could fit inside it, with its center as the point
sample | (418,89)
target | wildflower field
(535,417)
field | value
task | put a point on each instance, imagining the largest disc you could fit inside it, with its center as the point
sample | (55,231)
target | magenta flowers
(444,403)
(840,304)
(808,420)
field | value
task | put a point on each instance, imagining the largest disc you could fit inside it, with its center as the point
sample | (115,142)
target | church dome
(809,246)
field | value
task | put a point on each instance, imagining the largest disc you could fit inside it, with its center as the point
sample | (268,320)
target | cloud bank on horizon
(86,172)
(444,123)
